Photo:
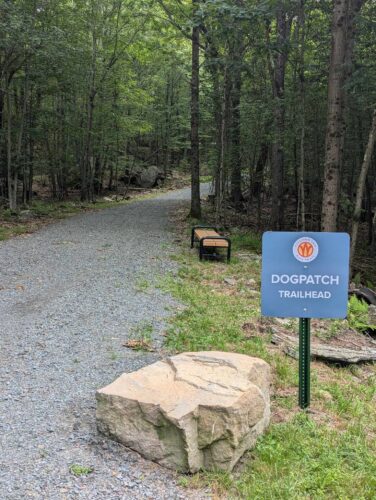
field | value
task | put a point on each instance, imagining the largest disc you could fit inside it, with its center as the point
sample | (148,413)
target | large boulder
(149,177)
(189,412)
(143,177)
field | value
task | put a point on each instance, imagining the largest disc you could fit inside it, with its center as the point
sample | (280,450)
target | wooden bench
(209,237)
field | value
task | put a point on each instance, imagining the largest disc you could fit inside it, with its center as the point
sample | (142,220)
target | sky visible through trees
(274,99)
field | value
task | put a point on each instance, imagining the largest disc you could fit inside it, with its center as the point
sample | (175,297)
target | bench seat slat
(205,233)
(215,243)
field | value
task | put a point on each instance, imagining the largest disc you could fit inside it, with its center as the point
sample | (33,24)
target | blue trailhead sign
(305,275)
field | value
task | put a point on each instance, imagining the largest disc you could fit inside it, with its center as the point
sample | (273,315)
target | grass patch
(80,470)
(302,459)
(246,241)
(142,285)
(141,337)
(329,453)
(16,230)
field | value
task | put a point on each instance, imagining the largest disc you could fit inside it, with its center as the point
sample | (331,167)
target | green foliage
(246,241)
(142,285)
(8,232)
(80,470)
(206,178)
(3,234)
(358,314)
(141,336)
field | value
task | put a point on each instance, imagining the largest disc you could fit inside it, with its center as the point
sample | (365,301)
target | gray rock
(189,412)
(26,215)
(148,177)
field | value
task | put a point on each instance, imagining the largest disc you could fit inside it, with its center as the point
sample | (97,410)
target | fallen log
(290,346)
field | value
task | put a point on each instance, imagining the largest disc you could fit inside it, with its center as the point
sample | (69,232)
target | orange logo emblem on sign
(305,249)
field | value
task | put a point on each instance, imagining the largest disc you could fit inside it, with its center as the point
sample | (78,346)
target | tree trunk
(12,177)
(278,77)
(195,119)
(259,171)
(343,25)
(236,173)
(86,173)
(218,180)
(3,166)
(301,213)
(87,165)
(361,184)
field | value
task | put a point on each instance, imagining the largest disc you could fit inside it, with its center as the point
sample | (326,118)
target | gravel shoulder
(70,296)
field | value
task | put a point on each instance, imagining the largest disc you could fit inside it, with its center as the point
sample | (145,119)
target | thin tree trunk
(221,172)
(301,213)
(87,166)
(361,183)
(3,166)
(236,174)
(21,135)
(195,119)
(278,80)
(343,25)
(11,170)
(218,157)
(256,187)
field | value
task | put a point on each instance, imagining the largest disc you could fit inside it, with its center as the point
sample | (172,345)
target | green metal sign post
(304,362)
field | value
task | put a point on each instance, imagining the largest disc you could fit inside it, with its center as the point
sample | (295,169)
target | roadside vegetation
(326,452)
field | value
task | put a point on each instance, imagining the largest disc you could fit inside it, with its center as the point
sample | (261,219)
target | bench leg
(192,238)
(229,252)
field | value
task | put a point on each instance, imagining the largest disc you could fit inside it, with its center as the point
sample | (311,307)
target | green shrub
(358,314)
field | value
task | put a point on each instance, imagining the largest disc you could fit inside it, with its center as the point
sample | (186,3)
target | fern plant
(358,314)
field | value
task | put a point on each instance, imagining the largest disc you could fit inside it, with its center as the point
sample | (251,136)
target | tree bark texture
(278,76)
(195,119)
(301,212)
(236,172)
(342,43)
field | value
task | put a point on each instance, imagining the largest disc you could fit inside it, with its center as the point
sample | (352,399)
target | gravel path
(70,295)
